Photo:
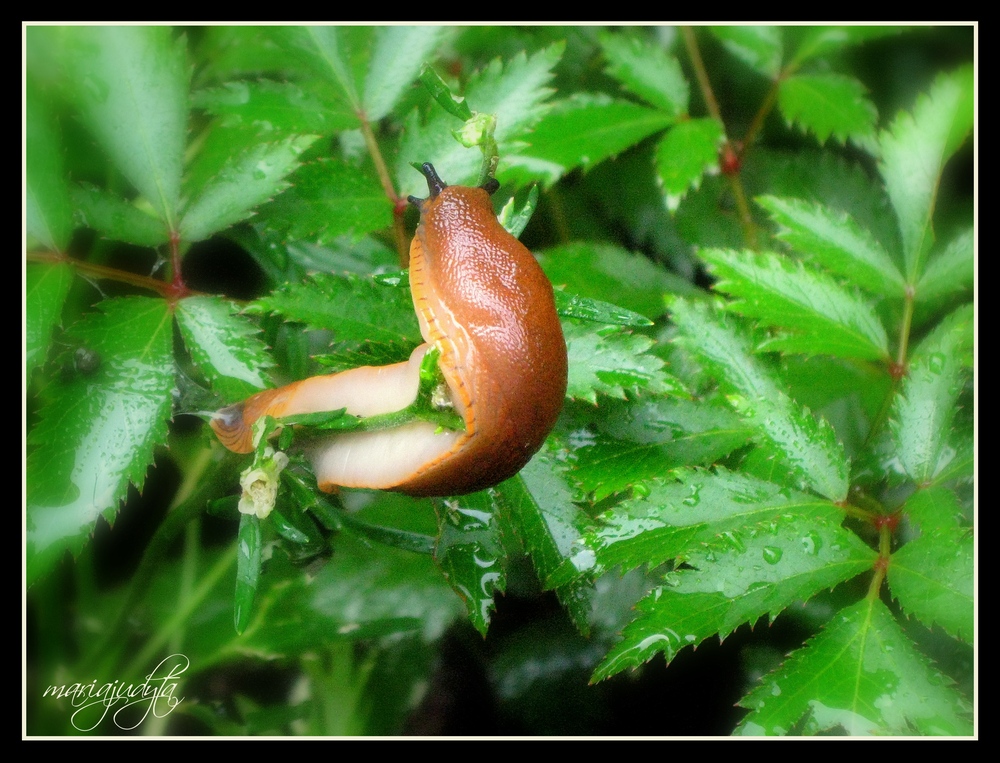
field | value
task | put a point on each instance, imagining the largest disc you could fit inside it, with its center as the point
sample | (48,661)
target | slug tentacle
(483,301)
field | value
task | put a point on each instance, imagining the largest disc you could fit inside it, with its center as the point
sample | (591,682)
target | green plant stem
(691,43)
(743,210)
(189,572)
(858,513)
(882,564)
(195,490)
(177,622)
(904,331)
(757,124)
(712,105)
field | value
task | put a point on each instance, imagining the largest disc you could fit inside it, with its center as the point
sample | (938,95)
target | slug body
(484,302)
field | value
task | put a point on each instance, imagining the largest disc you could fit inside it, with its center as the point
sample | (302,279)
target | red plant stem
(166,290)
(398,204)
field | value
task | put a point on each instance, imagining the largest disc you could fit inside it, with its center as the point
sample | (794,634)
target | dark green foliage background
(766,241)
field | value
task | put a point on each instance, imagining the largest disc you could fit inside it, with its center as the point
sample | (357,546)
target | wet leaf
(398,54)
(49,216)
(697,508)
(923,411)
(688,152)
(354,308)
(99,427)
(932,576)
(862,675)
(829,104)
(808,445)
(649,438)
(611,274)
(914,151)
(739,575)
(758,46)
(469,553)
(835,241)
(224,193)
(329,199)
(131,85)
(224,346)
(646,69)
(514,91)
(46,287)
(248,554)
(540,499)
(823,317)
(611,362)
(586,129)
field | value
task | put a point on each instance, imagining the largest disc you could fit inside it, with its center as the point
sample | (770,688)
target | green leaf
(923,411)
(686,153)
(829,104)
(807,446)
(772,557)
(950,273)
(279,109)
(645,68)
(418,543)
(612,362)
(758,46)
(611,274)
(224,346)
(514,91)
(825,318)
(837,242)
(680,515)
(99,428)
(352,307)
(248,556)
(540,501)
(49,217)
(399,53)
(231,52)
(961,322)
(861,675)
(914,151)
(131,85)
(573,306)
(933,575)
(328,199)
(251,175)
(470,554)
(439,90)
(46,287)
(637,441)
(359,593)
(962,467)
(338,55)
(515,221)
(835,183)
(116,218)
(822,40)
(586,129)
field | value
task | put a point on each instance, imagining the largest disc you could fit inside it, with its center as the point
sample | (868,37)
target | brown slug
(484,302)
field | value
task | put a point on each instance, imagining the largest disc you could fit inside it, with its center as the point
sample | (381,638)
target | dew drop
(771,554)
(812,543)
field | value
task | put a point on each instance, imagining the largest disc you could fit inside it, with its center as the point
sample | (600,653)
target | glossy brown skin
(481,297)
(486,302)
